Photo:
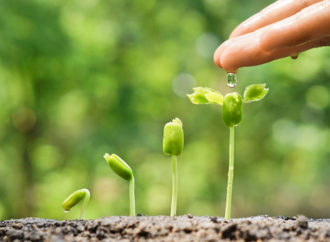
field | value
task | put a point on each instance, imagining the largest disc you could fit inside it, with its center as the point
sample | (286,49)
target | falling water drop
(231,79)
(294,56)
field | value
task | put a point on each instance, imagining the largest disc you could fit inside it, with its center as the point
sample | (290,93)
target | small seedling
(75,198)
(232,116)
(119,166)
(173,146)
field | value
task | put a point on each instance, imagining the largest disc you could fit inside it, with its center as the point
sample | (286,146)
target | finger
(294,50)
(231,59)
(264,17)
(309,24)
(275,12)
(258,47)
(218,51)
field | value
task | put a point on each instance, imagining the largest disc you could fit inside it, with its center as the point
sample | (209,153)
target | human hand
(284,28)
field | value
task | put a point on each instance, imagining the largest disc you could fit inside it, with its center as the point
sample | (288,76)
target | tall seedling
(232,116)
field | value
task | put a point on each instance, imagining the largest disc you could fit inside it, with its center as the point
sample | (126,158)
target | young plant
(75,198)
(232,116)
(173,146)
(119,166)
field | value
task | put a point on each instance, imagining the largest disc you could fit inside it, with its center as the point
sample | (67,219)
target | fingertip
(218,52)
(216,57)
(227,64)
(231,54)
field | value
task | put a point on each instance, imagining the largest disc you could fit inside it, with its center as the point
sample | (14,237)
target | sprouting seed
(119,166)
(173,142)
(232,109)
(74,198)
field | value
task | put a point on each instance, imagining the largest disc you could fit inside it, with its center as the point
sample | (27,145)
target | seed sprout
(173,146)
(74,199)
(119,166)
(232,116)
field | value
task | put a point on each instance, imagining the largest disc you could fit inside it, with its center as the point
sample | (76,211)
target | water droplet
(294,56)
(231,79)
(66,211)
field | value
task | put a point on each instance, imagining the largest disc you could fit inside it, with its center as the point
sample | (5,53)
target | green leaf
(255,92)
(205,95)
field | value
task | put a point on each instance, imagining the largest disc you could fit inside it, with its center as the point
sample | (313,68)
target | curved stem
(84,203)
(174,184)
(132,197)
(230,173)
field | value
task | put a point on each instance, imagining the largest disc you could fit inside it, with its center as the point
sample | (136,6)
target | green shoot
(74,199)
(232,116)
(119,166)
(173,141)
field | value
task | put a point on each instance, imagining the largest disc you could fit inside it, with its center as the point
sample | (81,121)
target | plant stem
(230,173)
(174,184)
(84,203)
(132,196)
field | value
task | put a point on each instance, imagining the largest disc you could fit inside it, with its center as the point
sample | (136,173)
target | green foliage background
(82,78)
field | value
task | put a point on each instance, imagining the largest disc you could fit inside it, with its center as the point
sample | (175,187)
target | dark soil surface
(164,228)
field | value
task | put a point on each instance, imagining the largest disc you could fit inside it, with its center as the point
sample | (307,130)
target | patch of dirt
(164,228)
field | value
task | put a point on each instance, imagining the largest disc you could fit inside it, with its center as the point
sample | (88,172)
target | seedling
(232,116)
(74,199)
(119,166)
(173,146)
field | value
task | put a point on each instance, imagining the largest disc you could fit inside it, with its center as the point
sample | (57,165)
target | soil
(164,228)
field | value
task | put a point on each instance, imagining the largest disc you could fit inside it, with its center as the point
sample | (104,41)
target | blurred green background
(82,78)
